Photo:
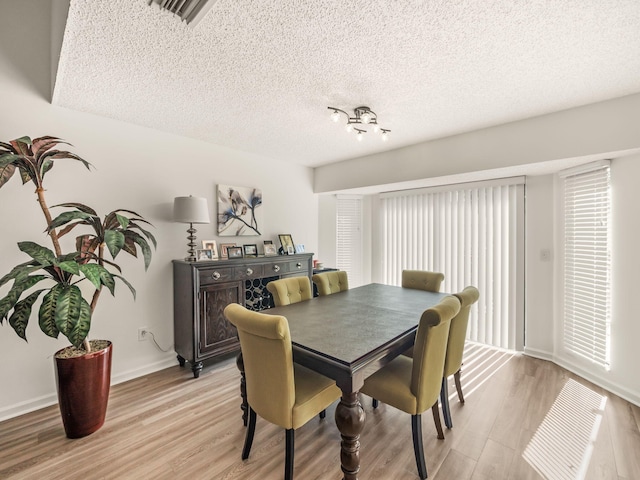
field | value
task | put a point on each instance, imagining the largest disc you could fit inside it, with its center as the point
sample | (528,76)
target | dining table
(348,336)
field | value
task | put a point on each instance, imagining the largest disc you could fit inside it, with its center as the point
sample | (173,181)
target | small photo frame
(211,245)
(224,247)
(270,250)
(250,250)
(299,248)
(234,252)
(204,254)
(287,243)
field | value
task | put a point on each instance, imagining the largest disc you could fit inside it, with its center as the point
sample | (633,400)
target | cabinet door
(216,335)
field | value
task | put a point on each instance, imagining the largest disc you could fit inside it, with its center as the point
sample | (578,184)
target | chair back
(268,363)
(331,282)
(290,290)
(429,351)
(422,280)
(458,330)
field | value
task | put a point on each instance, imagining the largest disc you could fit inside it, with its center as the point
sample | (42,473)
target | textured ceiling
(258,75)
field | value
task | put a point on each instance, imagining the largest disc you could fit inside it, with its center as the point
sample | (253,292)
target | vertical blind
(471,233)
(587,262)
(349,237)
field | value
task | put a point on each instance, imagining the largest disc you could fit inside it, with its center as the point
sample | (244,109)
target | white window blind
(349,237)
(473,234)
(587,262)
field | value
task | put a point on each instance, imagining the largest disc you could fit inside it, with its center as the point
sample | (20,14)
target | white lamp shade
(190,210)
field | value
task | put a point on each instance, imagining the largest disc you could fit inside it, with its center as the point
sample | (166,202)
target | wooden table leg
(350,419)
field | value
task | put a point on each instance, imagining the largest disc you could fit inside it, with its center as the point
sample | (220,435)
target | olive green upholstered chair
(422,280)
(331,282)
(281,392)
(455,349)
(290,290)
(413,384)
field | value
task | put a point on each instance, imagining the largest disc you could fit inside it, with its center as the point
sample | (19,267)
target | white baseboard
(21,408)
(541,354)
(622,392)
(616,389)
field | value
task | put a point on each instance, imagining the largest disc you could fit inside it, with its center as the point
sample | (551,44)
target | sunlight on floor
(480,363)
(576,415)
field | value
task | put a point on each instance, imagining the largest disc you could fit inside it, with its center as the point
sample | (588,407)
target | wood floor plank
(168,425)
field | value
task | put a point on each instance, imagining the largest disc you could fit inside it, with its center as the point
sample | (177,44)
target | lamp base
(192,244)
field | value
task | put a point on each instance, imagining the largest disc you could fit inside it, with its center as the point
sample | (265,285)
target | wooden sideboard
(201,291)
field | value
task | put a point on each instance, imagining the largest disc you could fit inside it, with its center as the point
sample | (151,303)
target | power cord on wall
(153,337)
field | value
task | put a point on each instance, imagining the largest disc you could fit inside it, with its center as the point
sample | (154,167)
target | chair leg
(375,403)
(436,420)
(416,429)
(323,414)
(456,377)
(248,439)
(288,454)
(444,400)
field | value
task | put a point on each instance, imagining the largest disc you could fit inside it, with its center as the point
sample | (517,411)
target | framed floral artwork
(239,211)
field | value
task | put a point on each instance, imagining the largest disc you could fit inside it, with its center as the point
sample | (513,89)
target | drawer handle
(276,268)
(299,265)
(249,272)
(215,275)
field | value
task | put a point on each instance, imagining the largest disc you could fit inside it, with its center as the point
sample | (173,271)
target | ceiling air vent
(190,11)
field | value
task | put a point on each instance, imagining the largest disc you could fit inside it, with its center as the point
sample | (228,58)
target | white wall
(539,272)
(135,168)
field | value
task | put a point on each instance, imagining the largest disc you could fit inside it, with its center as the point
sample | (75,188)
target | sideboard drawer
(297,266)
(215,275)
(248,272)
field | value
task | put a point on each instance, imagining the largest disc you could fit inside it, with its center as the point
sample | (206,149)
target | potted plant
(83,370)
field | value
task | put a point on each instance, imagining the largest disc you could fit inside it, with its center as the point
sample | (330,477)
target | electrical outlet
(143,334)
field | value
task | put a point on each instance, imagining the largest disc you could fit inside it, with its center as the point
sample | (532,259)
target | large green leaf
(38,252)
(144,246)
(19,319)
(78,206)
(122,220)
(114,241)
(149,235)
(20,284)
(81,329)
(22,269)
(124,280)
(6,172)
(67,217)
(68,308)
(47,313)
(98,276)
(70,266)
(57,154)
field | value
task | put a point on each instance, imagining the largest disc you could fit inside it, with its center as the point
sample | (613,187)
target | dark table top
(354,328)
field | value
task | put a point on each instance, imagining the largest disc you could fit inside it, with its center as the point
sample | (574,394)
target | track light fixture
(363,120)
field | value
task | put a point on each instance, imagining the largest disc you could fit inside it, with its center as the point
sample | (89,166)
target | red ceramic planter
(83,391)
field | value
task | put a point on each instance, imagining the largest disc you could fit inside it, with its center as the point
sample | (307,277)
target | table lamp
(191,210)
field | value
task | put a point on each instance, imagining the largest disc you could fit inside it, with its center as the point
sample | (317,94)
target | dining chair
(281,392)
(288,290)
(413,384)
(455,349)
(422,280)
(331,282)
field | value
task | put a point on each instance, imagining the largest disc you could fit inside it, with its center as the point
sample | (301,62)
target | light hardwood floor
(523,419)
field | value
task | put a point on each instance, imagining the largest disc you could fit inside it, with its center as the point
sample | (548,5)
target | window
(349,237)
(474,234)
(587,262)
